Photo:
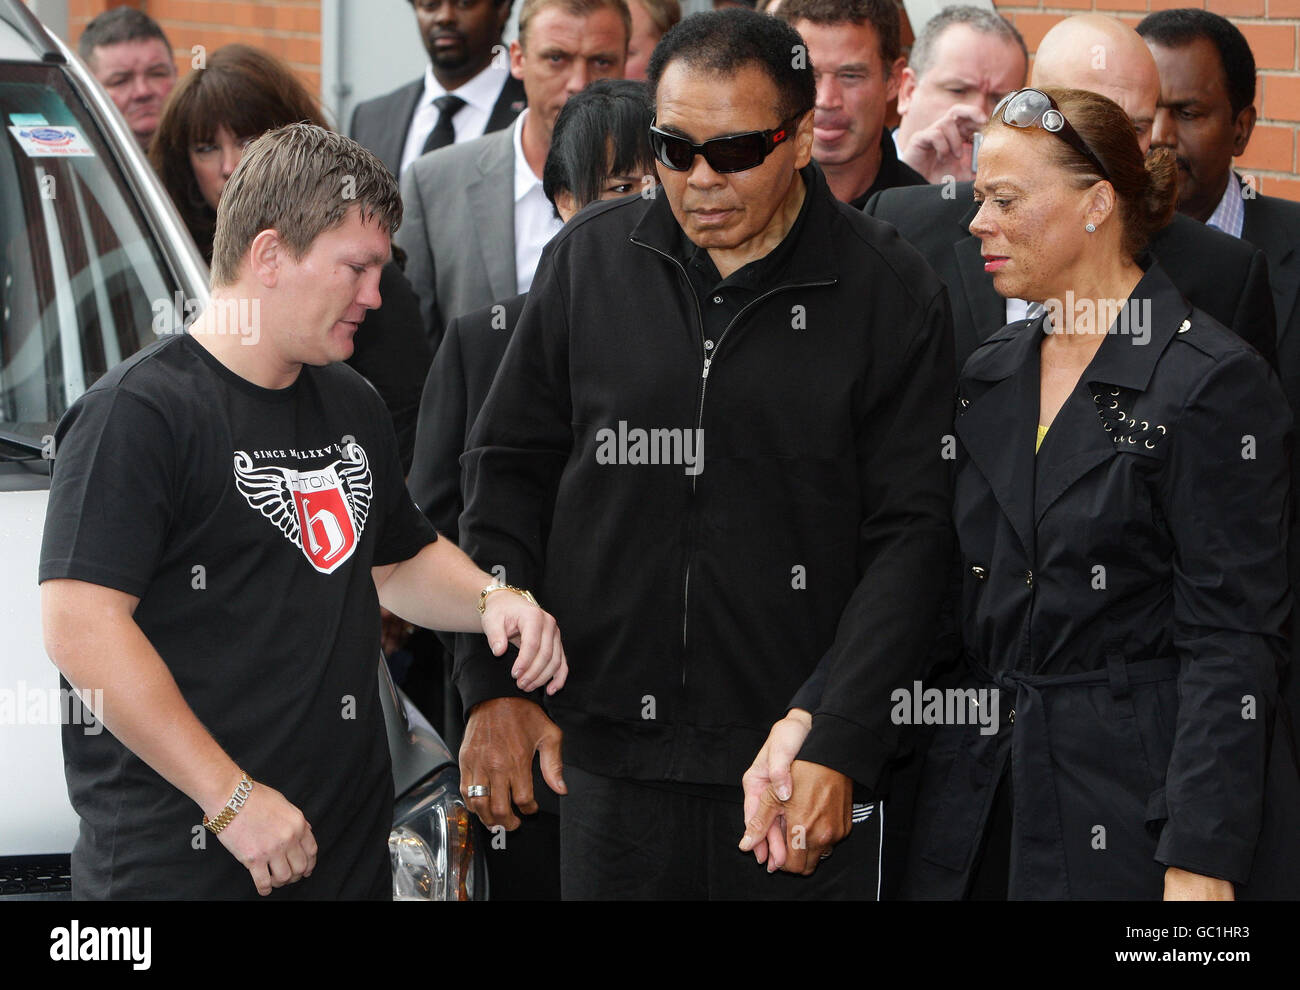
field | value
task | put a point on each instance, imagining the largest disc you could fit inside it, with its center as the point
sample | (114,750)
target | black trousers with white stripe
(638,840)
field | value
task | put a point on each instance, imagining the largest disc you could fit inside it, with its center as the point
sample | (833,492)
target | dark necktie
(443,132)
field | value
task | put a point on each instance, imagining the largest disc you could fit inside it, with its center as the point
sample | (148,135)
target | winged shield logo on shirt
(329,505)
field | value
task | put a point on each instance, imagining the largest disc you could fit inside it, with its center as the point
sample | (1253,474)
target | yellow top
(1042,432)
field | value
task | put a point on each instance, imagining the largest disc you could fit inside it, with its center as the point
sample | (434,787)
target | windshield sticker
(43,141)
(27,119)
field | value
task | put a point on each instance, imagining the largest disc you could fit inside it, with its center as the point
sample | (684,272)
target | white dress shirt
(480,96)
(535,219)
(1017,309)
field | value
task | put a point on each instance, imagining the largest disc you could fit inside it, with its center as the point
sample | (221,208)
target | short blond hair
(578,8)
(299,180)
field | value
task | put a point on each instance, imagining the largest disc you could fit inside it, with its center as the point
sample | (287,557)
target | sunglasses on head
(1034,108)
(724,154)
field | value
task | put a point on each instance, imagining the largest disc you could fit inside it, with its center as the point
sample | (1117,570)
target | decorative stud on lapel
(1123,427)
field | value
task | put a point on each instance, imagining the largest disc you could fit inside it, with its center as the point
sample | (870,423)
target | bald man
(1102,55)
(1217,273)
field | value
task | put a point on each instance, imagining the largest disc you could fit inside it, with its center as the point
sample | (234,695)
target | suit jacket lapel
(510,103)
(491,196)
(1278,244)
(988,310)
(394,139)
(997,424)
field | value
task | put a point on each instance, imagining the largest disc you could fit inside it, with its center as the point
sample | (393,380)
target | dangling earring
(1091,228)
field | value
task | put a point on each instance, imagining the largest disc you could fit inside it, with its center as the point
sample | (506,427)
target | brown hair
(882,15)
(577,8)
(300,180)
(663,14)
(1146,188)
(244,89)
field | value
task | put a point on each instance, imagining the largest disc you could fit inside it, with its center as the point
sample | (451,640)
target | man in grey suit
(476,217)
(466,90)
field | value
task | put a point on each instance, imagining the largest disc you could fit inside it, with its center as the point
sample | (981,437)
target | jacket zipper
(704,385)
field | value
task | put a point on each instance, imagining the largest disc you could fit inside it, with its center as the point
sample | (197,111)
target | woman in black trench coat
(1124,585)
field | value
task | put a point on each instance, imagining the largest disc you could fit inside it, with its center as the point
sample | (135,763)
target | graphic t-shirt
(246,520)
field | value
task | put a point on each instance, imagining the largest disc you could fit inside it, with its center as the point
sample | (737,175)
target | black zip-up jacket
(693,605)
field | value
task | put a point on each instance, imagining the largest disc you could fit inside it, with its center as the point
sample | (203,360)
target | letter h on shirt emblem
(328,533)
(322,512)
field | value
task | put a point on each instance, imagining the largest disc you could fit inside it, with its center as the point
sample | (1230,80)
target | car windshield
(80,274)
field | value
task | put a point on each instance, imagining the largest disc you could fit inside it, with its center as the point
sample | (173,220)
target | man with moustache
(853,46)
(476,215)
(1206,115)
(467,89)
(697,593)
(128,53)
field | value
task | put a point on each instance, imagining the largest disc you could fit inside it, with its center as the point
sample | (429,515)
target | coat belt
(1038,865)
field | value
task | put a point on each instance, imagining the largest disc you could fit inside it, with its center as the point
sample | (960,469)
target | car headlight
(431,845)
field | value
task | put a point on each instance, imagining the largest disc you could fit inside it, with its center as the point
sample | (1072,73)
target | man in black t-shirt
(227,514)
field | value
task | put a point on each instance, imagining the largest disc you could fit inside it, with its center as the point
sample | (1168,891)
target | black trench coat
(1126,590)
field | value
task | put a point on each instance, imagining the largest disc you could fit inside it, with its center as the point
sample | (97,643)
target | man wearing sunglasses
(713,445)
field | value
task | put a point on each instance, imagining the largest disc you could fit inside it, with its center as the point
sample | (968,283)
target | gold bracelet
(482,595)
(236,802)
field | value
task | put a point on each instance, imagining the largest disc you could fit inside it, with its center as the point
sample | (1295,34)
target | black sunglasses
(725,154)
(1034,108)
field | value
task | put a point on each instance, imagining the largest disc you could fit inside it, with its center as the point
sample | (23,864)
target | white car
(94,261)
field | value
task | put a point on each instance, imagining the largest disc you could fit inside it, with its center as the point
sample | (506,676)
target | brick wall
(289,29)
(1269,25)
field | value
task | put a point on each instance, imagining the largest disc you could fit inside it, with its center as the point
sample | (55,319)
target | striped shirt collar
(1230,215)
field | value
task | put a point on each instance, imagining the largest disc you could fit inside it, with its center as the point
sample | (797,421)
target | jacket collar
(1269,225)
(1268,229)
(1155,313)
(813,258)
(998,426)
(1125,359)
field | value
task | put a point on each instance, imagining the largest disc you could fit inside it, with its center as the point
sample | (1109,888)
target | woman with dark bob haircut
(610,114)
(211,116)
